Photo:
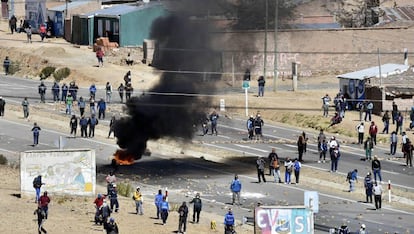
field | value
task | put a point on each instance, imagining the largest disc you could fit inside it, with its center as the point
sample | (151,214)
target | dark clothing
(40,218)
(260,164)
(55,92)
(83,122)
(368,188)
(183,212)
(36,130)
(101,109)
(64,92)
(6,65)
(196,208)
(73,125)
(42,92)
(121,90)
(213,118)
(92,122)
(111,228)
(2,104)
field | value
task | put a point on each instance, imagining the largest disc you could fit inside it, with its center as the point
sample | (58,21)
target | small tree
(61,74)
(46,72)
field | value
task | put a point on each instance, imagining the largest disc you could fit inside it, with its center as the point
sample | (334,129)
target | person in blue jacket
(235,188)
(229,221)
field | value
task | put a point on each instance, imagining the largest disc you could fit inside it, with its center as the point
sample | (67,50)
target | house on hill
(381,84)
(125,24)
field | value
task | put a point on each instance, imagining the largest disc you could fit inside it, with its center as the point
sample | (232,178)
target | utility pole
(275,76)
(265,40)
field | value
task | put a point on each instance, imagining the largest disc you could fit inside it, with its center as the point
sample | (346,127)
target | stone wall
(318,51)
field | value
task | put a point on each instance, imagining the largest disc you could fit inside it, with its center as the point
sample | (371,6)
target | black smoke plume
(175,104)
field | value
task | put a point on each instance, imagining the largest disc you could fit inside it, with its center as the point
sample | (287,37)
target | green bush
(3,160)
(14,67)
(46,72)
(125,189)
(61,74)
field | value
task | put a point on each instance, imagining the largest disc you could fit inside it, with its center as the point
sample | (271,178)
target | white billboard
(67,171)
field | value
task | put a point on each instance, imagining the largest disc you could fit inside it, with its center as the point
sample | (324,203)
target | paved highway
(184,175)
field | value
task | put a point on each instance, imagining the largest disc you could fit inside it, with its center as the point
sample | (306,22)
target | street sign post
(246,86)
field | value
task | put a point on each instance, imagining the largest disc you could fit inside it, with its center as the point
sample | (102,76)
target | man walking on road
(2,104)
(196,208)
(36,130)
(376,169)
(260,165)
(373,130)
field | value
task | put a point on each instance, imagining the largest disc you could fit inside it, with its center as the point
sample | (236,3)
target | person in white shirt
(377,190)
(361,129)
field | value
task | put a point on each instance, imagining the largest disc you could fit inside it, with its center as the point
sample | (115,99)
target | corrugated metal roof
(386,70)
(120,9)
(71,5)
(405,13)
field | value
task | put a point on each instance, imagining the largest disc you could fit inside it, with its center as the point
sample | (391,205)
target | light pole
(276,57)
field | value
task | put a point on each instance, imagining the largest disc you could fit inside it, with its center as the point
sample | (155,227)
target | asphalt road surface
(185,175)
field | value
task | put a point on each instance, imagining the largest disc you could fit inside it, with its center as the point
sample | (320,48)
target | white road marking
(249,147)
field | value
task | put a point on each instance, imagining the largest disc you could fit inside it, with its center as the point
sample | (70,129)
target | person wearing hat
(113,198)
(2,104)
(229,221)
(196,207)
(368,187)
(362,230)
(111,227)
(137,197)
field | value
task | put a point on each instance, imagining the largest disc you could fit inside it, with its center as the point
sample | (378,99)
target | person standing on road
(36,130)
(157,202)
(276,169)
(113,198)
(2,105)
(261,84)
(42,91)
(196,208)
(376,169)
(101,109)
(121,90)
(301,147)
(73,123)
(25,105)
(288,170)
(6,65)
(323,148)
(394,141)
(260,166)
(386,121)
(108,92)
(182,218)
(361,129)
(321,138)
(111,125)
(55,92)
(29,34)
(82,106)
(69,104)
(368,146)
(92,122)
(335,155)
(377,190)
(368,184)
(235,188)
(213,119)
(272,156)
(250,127)
(296,168)
(65,89)
(83,122)
(409,153)
(137,196)
(333,144)
(258,127)
(373,130)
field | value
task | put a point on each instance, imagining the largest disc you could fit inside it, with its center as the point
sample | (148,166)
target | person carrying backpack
(36,130)
(344,229)
(37,184)
(296,166)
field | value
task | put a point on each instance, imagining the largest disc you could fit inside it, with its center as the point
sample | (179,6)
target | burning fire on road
(123,157)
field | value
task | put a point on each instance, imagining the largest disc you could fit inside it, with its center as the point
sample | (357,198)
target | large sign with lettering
(286,220)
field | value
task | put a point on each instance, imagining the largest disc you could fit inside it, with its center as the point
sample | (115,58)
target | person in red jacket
(42,31)
(373,130)
(99,55)
(44,201)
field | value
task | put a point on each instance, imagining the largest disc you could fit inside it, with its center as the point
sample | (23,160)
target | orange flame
(123,158)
